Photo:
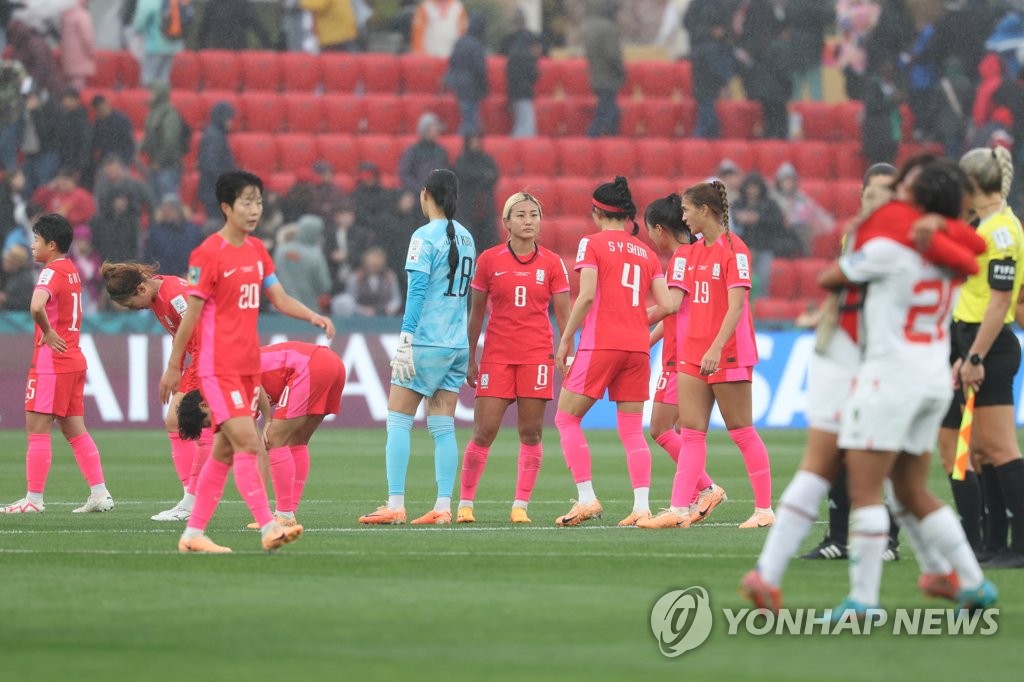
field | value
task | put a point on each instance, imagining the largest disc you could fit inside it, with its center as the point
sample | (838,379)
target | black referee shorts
(1001,365)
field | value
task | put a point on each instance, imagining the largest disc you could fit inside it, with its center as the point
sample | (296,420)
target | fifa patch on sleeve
(1002,238)
(180,304)
(742,266)
(193,275)
(581,252)
(679,270)
(415,248)
(45,277)
(1001,274)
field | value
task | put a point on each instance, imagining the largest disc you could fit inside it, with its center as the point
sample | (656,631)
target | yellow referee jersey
(1004,241)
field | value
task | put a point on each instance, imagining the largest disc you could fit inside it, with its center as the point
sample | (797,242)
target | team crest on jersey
(485,380)
(716,271)
(540,277)
(193,275)
(415,247)
(742,266)
(679,270)
(236,398)
(180,304)
(582,251)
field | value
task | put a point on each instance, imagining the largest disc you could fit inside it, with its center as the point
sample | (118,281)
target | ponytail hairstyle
(442,186)
(124,279)
(990,170)
(614,200)
(668,212)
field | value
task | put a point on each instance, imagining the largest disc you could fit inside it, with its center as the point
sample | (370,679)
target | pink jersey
(229,279)
(279,362)
(711,271)
(518,326)
(625,268)
(169,305)
(64,311)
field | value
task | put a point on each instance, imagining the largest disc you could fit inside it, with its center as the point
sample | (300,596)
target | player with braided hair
(433,349)
(618,270)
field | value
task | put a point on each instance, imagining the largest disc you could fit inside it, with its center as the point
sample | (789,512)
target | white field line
(388,553)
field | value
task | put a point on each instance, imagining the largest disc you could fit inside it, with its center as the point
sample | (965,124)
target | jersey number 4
(927,322)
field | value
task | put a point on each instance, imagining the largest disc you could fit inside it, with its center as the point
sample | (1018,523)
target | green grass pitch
(106,597)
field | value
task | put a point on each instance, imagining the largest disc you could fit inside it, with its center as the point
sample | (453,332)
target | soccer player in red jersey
(137,286)
(226,274)
(56,380)
(666,228)
(302,384)
(616,272)
(519,278)
(717,354)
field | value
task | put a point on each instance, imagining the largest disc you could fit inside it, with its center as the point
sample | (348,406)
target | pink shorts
(665,390)
(62,395)
(626,375)
(721,376)
(497,380)
(230,397)
(315,389)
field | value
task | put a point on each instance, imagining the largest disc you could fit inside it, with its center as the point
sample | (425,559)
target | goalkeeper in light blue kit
(433,350)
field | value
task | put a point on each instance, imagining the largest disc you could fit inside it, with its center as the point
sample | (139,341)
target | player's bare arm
(665,303)
(478,304)
(588,291)
(37,307)
(294,308)
(171,378)
(832,278)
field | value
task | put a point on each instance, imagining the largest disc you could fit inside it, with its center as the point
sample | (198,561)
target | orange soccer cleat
(760,593)
(465,515)
(519,515)
(433,518)
(706,503)
(579,513)
(634,518)
(384,517)
(666,519)
(201,545)
(943,585)
(761,518)
(280,536)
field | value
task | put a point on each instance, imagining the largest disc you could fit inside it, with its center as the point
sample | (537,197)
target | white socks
(942,530)
(797,510)
(396,502)
(585,492)
(443,504)
(520,504)
(465,503)
(100,489)
(869,538)
(641,500)
(34,498)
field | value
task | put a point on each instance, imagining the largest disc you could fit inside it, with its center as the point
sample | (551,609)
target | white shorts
(887,417)
(830,379)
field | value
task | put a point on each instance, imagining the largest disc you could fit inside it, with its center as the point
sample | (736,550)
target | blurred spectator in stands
(954,94)
(424,155)
(401,23)
(701,15)
(39,140)
(12,110)
(342,244)
(300,263)
(215,157)
(671,35)
(712,63)
(961,33)
(521,74)
(165,141)
(881,127)
(227,24)
(157,49)
(922,82)
(757,25)
(990,70)
(731,176)
(372,289)
(7,9)
(602,45)
(467,74)
(892,35)
(1007,41)
(19,278)
(997,131)
(77,44)
(803,215)
(301,198)
(296,22)
(73,133)
(809,21)
(31,49)
(478,174)
(85,255)
(171,237)
(369,197)
(327,196)
(395,230)
(122,202)
(63,195)
(12,205)
(855,19)
(436,25)
(758,220)
(111,133)
(334,22)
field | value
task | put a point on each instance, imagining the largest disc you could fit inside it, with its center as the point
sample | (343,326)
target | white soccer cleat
(176,513)
(96,503)
(22,506)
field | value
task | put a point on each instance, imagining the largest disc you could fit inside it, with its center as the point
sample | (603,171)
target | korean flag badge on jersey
(679,270)
(45,277)
(581,252)
(415,248)
(742,266)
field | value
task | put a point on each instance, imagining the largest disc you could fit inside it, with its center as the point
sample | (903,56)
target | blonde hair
(506,212)
(991,170)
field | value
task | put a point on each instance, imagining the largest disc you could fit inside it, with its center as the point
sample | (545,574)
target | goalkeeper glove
(402,368)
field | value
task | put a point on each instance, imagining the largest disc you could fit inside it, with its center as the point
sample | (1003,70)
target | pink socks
(251,488)
(473,462)
(755,456)
(529,468)
(88,458)
(183,453)
(671,441)
(574,445)
(37,461)
(202,453)
(638,454)
(300,455)
(282,472)
(693,458)
(209,488)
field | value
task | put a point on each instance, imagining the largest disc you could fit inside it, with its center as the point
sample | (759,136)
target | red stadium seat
(808,270)
(657,157)
(847,199)
(341,71)
(777,309)
(384,115)
(280,183)
(262,112)
(497,79)
(545,188)
(616,156)
(340,151)
(261,70)
(344,113)
(130,71)
(189,187)
(663,117)
(220,69)
(631,117)
(820,191)
(303,112)
(696,157)
(453,145)
(575,195)
(300,71)
(505,153)
(414,106)
(738,119)
(185,73)
(739,152)
(655,78)
(646,190)
(684,70)
(190,107)
(380,72)
(827,244)
(813,159)
(422,74)
(550,116)
(577,156)
(847,118)
(769,155)
(383,150)
(785,279)
(192,157)
(579,111)
(818,120)
(296,151)
(538,155)
(688,115)
(566,235)
(549,77)
(211,97)
(108,70)
(254,152)
(849,164)
(134,104)
(576,78)
(495,117)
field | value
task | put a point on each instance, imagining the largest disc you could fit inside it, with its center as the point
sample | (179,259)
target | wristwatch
(975,359)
